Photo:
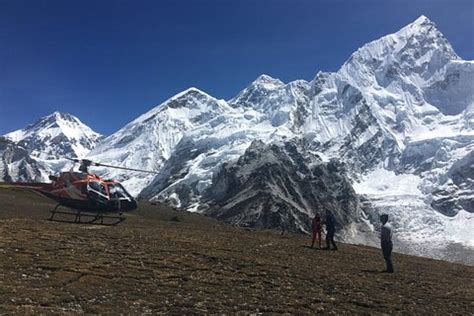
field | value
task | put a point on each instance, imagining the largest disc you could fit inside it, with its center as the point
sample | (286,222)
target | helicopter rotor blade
(77,160)
(123,168)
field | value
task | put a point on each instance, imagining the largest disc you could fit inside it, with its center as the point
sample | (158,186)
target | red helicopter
(85,194)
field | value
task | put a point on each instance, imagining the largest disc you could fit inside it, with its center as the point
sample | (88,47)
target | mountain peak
(57,116)
(189,98)
(51,121)
(421,26)
(192,91)
(57,135)
(61,114)
(258,88)
(422,20)
(267,80)
(417,44)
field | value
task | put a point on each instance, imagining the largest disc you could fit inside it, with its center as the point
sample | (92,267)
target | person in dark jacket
(330,230)
(316,227)
(386,242)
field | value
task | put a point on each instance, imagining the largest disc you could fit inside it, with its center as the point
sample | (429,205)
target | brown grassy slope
(151,264)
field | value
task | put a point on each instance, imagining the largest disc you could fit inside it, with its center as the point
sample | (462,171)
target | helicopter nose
(124,205)
(129,205)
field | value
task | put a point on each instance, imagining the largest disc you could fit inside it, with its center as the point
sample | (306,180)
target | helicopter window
(116,191)
(97,186)
(94,186)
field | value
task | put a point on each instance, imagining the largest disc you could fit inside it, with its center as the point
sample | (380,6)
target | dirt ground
(164,261)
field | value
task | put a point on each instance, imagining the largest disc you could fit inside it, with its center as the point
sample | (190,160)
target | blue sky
(109,61)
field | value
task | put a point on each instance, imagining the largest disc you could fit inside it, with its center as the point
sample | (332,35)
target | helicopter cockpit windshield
(117,191)
(97,191)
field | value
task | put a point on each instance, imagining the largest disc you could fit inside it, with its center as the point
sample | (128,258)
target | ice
(382,182)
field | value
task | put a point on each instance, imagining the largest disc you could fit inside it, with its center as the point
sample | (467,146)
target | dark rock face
(273,186)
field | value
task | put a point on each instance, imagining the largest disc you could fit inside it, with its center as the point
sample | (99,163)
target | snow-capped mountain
(44,145)
(148,141)
(398,117)
(56,136)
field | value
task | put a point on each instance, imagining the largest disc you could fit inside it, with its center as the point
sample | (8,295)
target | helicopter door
(84,188)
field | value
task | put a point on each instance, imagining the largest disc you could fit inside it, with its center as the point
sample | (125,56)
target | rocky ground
(160,260)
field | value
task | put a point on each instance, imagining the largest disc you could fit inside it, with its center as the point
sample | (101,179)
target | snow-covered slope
(44,145)
(278,103)
(148,141)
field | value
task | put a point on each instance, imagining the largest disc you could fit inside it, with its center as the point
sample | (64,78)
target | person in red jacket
(316,225)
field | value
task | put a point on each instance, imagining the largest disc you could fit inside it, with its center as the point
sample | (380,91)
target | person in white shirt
(386,242)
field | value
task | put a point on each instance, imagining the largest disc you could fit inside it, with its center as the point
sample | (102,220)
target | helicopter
(85,194)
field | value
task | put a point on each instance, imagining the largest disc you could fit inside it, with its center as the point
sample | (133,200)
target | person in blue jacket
(330,223)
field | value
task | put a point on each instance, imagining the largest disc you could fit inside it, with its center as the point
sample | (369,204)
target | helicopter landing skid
(94,219)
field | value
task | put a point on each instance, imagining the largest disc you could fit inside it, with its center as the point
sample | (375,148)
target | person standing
(330,230)
(386,242)
(316,226)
